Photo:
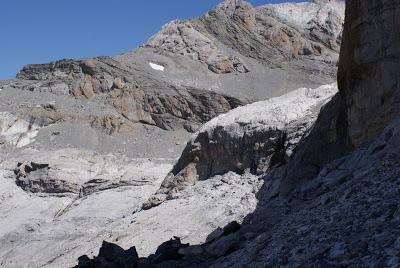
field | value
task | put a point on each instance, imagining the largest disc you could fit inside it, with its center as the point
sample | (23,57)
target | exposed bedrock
(267,33)
(80,172)
(187,108)
(149,102)
(256,138)
(347,215)
(368,76)
(275,48)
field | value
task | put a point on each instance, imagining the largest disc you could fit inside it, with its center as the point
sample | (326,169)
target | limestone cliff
(368,76)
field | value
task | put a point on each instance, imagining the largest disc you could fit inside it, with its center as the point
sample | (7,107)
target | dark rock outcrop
(172,253)
(38,178)
(111,255)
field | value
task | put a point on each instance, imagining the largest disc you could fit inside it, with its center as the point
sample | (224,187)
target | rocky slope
(335,203)
(266,51)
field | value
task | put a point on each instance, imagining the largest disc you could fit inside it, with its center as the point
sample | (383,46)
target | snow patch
(157,67)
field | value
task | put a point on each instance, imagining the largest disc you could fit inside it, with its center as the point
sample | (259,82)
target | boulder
(39,178)
(111,255)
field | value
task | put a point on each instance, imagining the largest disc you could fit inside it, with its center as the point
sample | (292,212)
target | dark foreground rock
(111,255)
(171,253)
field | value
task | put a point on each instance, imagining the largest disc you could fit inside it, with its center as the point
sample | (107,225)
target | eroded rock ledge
(256,137)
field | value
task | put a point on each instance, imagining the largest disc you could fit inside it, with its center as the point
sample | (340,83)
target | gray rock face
(268,33)
(16,131)
(257,137)
(34,177)
(78,172)
(369,67)
(368,98)
(347,215)
(344,209)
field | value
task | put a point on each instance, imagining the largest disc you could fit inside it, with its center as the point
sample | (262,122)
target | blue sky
(39,31)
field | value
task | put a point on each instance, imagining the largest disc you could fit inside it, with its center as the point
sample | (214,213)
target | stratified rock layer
(133,95)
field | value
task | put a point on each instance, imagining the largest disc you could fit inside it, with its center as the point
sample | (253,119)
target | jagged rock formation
(257,137)
(80,173)
(348,215)
(268,33)
(111,254)
(76,171)
(368,83)
(188,73)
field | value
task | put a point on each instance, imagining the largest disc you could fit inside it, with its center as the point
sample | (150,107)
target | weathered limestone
(257,138)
